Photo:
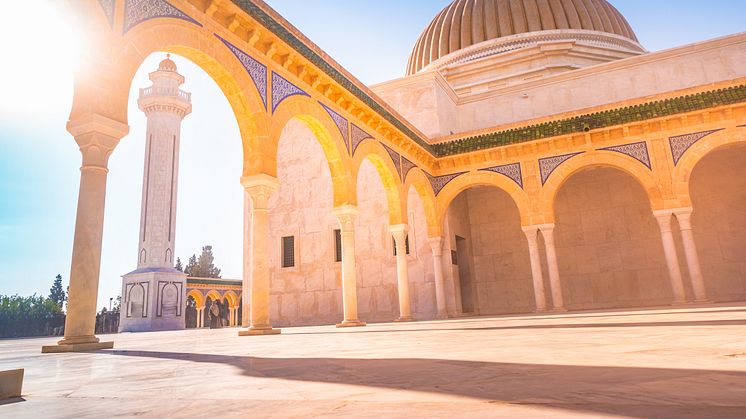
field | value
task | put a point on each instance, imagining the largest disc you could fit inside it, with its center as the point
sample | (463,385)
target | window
(288,252)
(338,245)
(406,244)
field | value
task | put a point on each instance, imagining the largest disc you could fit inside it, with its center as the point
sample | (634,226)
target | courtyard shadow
(629,391)
(12,400)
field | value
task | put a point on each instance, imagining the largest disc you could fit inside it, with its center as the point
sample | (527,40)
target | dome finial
(167,64)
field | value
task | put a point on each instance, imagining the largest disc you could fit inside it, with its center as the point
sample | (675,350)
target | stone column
(684,216)
(399,232)
(97,137)
(200,314)
(547,231)
(347,215)
(259,189)
(246,280)
(532,233)
(672,260)
(436,244)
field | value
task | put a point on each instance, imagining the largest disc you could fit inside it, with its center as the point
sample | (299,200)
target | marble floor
(663,363)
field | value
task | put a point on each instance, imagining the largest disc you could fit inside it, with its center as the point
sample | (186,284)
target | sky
(39,161)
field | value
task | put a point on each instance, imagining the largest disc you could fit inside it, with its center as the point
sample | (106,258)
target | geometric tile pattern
(407,165)
(548,165)
(341,123)
(395,157)
(681,143)
(257,71)
(108,6)
(512,171)
(138,11)
(283,89)
(358,135)
(638,151)
(440,182)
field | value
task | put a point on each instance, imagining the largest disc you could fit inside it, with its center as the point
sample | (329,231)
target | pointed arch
(374,152)
(416,179)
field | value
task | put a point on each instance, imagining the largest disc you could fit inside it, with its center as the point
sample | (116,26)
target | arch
(103,87)
(199,298)
(308,111)
(682,173)
(232,298)
(416,179)
(374,152)
(626,164)
(213,295)
(483,178)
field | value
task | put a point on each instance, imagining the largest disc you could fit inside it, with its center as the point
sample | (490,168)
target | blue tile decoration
(512,171)
(257,71)
(407,165)
(358,135)
(440,182)
(548,165)
(283,89)
(395,157)
(638,151)
(341,123)
(681,143)
(109,7)
(138,11)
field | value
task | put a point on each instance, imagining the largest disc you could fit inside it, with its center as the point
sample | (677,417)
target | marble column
(259,188)
(200,316)
(347,215)
(436,244)
(672,260)
(684,216)
(246,278)
(400,232)
(97,136)
(555,285)
(532,233)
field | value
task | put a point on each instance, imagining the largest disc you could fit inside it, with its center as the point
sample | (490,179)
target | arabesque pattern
(512,171)
(138,11)
(548,165)
(257,71)
(283,89)
(358,136)
(342,123)
(638,151)
(681,143)
(440,182)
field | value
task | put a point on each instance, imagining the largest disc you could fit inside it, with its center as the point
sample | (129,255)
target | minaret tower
(154,294)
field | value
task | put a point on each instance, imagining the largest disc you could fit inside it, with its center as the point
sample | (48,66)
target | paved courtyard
(665,363)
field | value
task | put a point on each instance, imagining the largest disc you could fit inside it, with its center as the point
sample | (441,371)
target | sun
(40,50)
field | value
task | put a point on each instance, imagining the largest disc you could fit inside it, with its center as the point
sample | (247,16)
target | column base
(441,316)
(557,310)
(404,319)
(76,347)
(259,332)
(705,301)
(351,323)
(540,311)
(681,303)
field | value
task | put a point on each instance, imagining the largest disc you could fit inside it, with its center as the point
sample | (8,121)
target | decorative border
(342,124)
(440,182)
(395,157)
(358,135)
(283,89)
(257,71)
(638,151)
(681,143)
(109,7)
(548,165)
(407,165)
(139,11)
(511,171)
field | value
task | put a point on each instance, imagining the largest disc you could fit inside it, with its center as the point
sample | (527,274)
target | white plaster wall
(420,261)
(718,189)
(608,243)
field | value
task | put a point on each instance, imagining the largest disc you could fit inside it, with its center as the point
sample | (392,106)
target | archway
(489,260)
(190,314)
(608,242)
(718,192)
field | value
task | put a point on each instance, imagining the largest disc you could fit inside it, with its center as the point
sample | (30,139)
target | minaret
(154,295)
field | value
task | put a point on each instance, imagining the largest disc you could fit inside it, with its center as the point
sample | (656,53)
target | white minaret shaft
(165,106)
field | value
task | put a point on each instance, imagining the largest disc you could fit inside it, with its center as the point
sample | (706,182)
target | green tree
(56,293)
(202,267)
(179,266)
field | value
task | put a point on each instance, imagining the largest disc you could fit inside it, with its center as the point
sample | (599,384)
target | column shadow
(629,391)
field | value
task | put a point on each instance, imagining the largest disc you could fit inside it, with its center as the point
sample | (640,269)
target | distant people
(215,320)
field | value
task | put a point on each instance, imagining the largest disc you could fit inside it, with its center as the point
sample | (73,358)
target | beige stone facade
(562,167)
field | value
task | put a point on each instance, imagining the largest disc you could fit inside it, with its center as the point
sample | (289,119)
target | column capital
(436,243)
(664,219)
(684,217)
(545,227)
(260,188)
(97,136)
(347,214)
(399,231)
(531,233)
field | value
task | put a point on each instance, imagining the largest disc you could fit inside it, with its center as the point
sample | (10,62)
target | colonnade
(232,316)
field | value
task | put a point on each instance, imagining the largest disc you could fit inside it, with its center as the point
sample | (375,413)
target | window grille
(288,252)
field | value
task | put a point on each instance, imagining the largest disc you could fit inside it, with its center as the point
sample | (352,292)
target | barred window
(338,245)
(288,252)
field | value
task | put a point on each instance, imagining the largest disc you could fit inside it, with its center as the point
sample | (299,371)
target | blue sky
(39,161)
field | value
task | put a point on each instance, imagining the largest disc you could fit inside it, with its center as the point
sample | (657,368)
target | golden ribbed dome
(468,22)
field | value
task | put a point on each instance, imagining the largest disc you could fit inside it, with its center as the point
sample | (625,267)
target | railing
(166,91)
